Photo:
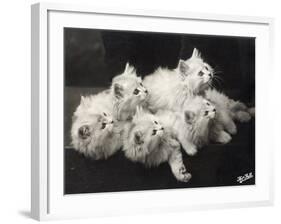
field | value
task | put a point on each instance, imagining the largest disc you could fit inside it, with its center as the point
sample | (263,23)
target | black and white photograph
(155,111)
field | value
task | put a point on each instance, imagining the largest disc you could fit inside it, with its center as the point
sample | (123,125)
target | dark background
(94,57)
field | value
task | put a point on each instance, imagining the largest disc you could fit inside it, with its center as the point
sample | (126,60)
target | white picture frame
(47,199)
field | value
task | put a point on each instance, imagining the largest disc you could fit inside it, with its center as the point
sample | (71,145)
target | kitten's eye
(141,84)
(136,91)
(154,132)
(201,73)
(155,122)
(103,125)
(104,114)
(208,104)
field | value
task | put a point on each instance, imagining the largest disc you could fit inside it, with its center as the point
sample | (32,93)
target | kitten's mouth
(144,95)
(210,114)
(156,131)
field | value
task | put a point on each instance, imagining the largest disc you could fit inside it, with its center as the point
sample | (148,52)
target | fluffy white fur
(94,131)
(231,110)
(223,103)
(97,122)
(128,92)
(147,141)
(170,89)
(195,125)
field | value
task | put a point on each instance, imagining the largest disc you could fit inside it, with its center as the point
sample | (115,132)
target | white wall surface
(15,110)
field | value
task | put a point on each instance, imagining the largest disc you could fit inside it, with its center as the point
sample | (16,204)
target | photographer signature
(245,177)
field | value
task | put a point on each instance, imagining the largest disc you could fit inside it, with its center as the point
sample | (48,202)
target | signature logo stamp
(245,177)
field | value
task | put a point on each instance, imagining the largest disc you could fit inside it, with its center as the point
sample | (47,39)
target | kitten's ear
(83,101)
(118,90)
(189,116)
(129,68)
(196,53)
(183,67)
(84,131)
(138,137)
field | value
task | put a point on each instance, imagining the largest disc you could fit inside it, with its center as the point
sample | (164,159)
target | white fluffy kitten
(195,125)
(128,92)
(94,131)
(230,110)
(97,122)
(148,142)
(170,89)
(236,110)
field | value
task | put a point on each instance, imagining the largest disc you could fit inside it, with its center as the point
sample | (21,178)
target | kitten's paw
(183,175)
(182,169)
(186,177)
(223,137)
(191,150)
(243,116)
(251,111)
(231,128)
(174,143)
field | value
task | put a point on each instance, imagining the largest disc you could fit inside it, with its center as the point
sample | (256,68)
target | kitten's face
(195,72)
(145,134)
(91,122)
(128,87)
(89,127)
(199,112)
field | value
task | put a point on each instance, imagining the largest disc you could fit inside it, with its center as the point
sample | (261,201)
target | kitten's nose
(146,91)
(210,75)
(162,129)
(214,110)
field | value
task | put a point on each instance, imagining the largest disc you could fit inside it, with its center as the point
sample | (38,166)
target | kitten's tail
(252,111)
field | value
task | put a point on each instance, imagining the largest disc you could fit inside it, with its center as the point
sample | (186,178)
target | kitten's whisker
(217,72)
(217,84)
(219,81)
(210,84)
(218,77)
